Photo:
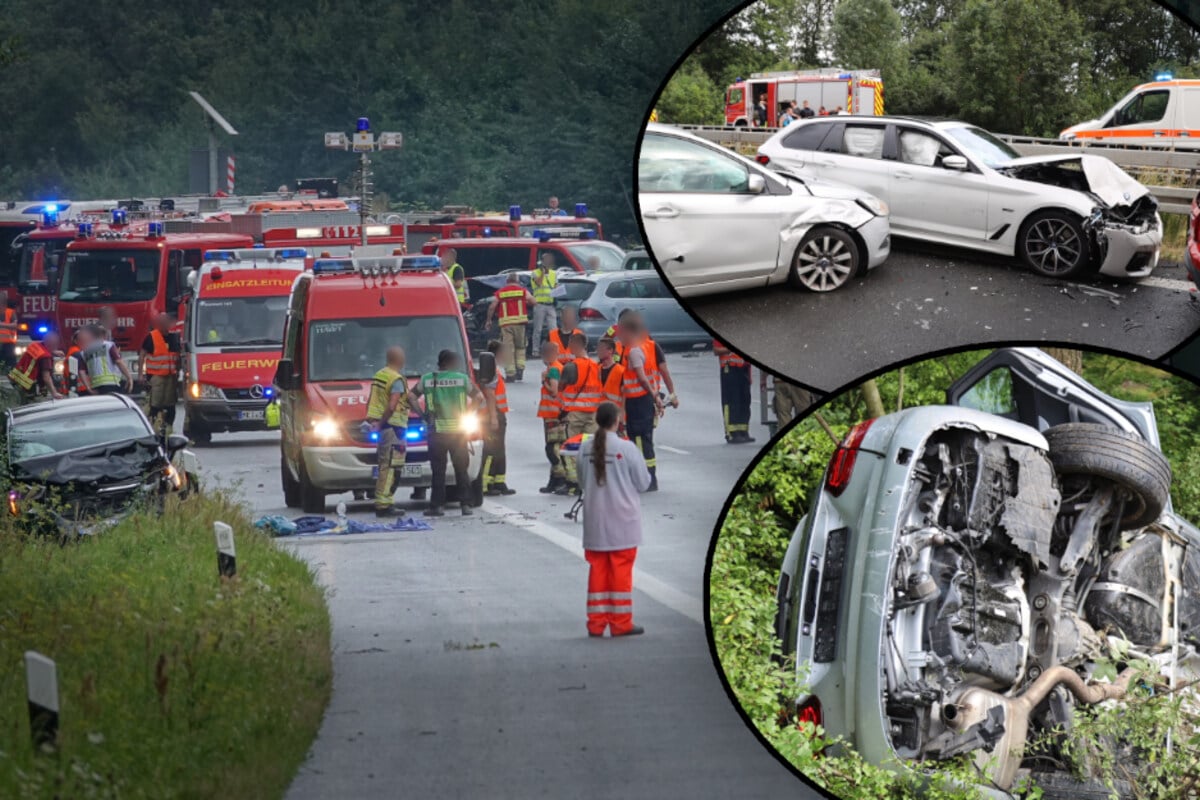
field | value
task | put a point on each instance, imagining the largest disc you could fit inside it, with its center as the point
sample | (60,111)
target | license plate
(247,416)
(411,471)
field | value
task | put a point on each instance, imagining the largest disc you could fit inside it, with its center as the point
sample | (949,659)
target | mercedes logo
(256,392)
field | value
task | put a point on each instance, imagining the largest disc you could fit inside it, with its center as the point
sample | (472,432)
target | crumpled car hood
(109,463)
(1106,180)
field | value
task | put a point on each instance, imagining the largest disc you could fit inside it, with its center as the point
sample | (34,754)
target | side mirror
(958,163)
(756,184)
(285,375)
(175,443)
(486,373)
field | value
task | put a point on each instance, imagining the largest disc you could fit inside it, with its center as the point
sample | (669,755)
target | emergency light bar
(581,210)
(564,233)
(514,213)
(84,231)
(154,230)
(119,216)
(257,253)
(50,216)
(375,266)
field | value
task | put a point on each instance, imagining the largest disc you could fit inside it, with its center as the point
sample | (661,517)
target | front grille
(241,394)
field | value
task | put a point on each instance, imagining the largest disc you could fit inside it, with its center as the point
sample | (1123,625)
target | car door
(929,200)
(1142,119)
(704,223)
(853,154)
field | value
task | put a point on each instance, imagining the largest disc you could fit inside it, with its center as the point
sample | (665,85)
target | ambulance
(1164,112)
(233,335)
(342,317)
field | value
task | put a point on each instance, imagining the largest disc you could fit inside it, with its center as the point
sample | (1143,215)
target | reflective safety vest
(542,292)
(24,374)
(610,385)
(632,386)
(512,308)
(501,396)
(619,346)
(100,367)
(446,399)
(730,359)
(550,406)
(456,273)
(8,331)
(161,360)
(557,337)
(586,393)
(381,392)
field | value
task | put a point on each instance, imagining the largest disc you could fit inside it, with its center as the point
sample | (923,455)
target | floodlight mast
(214,118)
(364,142)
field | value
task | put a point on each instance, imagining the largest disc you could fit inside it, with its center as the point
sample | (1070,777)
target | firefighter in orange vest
(550,412)
(611,374)
(9,328)
(735,394)
(561,336)
(642,403)
(74,370)
(512,306)
(33,376)
(581,394)
(495,457)
(160,363)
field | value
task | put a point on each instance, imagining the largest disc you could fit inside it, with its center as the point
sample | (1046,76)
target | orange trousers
(610,590)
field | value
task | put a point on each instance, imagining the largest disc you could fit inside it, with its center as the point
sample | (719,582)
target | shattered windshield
(61,433)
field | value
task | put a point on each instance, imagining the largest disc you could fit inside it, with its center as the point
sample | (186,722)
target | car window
(575,291)
(864,141)
(652,289)
(1146,107)
(618,289)
(639,262)
(670,164)
(993,393)
(922,149)
(806,136)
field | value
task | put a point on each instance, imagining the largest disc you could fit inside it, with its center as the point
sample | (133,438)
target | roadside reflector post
(226,556)
(41,679)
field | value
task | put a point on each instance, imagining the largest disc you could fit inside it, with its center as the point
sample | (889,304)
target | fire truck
(518,225)
(138,275)
(327,231)
(856,91)
(233,334)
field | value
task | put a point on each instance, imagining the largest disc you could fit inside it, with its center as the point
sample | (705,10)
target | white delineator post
(41,680)
(226,556)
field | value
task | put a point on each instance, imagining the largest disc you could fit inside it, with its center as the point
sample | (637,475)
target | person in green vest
(387,416)
(450,397)
(545,318)
(457,274)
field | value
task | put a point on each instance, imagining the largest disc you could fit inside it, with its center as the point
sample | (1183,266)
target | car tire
(291,487)
(1128,461)
(827,259)
(312,499)
(1054,244)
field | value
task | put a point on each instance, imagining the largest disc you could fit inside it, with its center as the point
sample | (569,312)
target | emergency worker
(449,397)
(567,327)
(642,403)
(550,412)
(735,394)
(495,457)
(160,363)
(512,307)
(387,418)
(107,372)
(611,374)
(545,280)
(458,275)
(9,328)
(789,401)
(33,375)
(581,393)
(74,368)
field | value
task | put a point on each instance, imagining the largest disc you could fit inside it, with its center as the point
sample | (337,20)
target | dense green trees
(499,101)
(1017,66)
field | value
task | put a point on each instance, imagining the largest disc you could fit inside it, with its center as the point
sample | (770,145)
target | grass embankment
(172,681)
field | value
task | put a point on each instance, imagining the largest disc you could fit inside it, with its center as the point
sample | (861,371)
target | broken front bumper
(1130,252)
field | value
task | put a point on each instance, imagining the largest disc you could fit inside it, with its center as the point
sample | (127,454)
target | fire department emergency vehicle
(315,225)
(232,337)
(856,91)
(519,225)
(138,275)
(342,317)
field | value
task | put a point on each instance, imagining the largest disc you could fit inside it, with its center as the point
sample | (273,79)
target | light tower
(364,142)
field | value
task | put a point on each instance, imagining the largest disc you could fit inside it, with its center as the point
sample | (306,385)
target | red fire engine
(517,224)
(855,91)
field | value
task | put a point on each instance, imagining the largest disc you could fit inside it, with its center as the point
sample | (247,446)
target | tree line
(1030,67)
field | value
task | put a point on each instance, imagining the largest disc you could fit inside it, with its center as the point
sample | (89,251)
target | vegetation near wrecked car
(745,568)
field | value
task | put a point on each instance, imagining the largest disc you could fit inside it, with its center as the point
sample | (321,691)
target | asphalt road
(925,298)
(461,662)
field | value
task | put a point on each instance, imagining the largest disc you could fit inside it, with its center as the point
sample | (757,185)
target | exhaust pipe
(973,705)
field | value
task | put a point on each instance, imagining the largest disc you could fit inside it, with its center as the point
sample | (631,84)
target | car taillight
(809,711)
(760,158)
(842,464)
(591,313)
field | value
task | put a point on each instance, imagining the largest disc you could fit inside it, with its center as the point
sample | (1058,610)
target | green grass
(173,682)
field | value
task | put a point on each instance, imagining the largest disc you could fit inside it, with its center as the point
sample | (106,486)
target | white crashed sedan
(956,184)
(716,221)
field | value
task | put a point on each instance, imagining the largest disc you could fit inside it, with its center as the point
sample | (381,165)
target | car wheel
(1141,471)
(312,499)
(291,487)
(1054,244)
(826,259)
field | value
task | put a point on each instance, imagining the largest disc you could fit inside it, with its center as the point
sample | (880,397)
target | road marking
(1166,283)
(674,450)
(672,598)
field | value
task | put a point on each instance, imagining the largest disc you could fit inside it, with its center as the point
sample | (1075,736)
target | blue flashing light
(363,125)
(330,265)
(292,252)
(739,79)
(373,436)
(51,207)
(258,246)
(119,216)
(514,213)
(542,236)
(589,234)
(43,329)
(420,262)
(414,434)
(581,209)
(1164,76)
(84,231)
(50,216)
(154,230)
(268,391)
(845,76)
(218,255)
(487,232)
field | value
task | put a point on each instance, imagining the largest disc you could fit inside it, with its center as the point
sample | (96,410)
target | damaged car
(955,184)
(80,465)
(970,575)
(716,221)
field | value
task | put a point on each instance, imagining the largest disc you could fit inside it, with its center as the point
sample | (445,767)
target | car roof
(616,275)
(514,241)
(72,406)
(932,122)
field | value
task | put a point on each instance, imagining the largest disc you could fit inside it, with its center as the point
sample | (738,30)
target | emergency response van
(518,224)
(1162,112)
(341,319)
(856,91)
(232,337)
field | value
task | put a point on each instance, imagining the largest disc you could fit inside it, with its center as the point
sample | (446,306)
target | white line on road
(1166,283)
(672,598)
(674,450)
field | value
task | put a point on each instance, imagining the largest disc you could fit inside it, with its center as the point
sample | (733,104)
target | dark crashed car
(81,464)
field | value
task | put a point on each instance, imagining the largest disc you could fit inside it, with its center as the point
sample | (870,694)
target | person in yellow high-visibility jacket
(387,416)
(545,318)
